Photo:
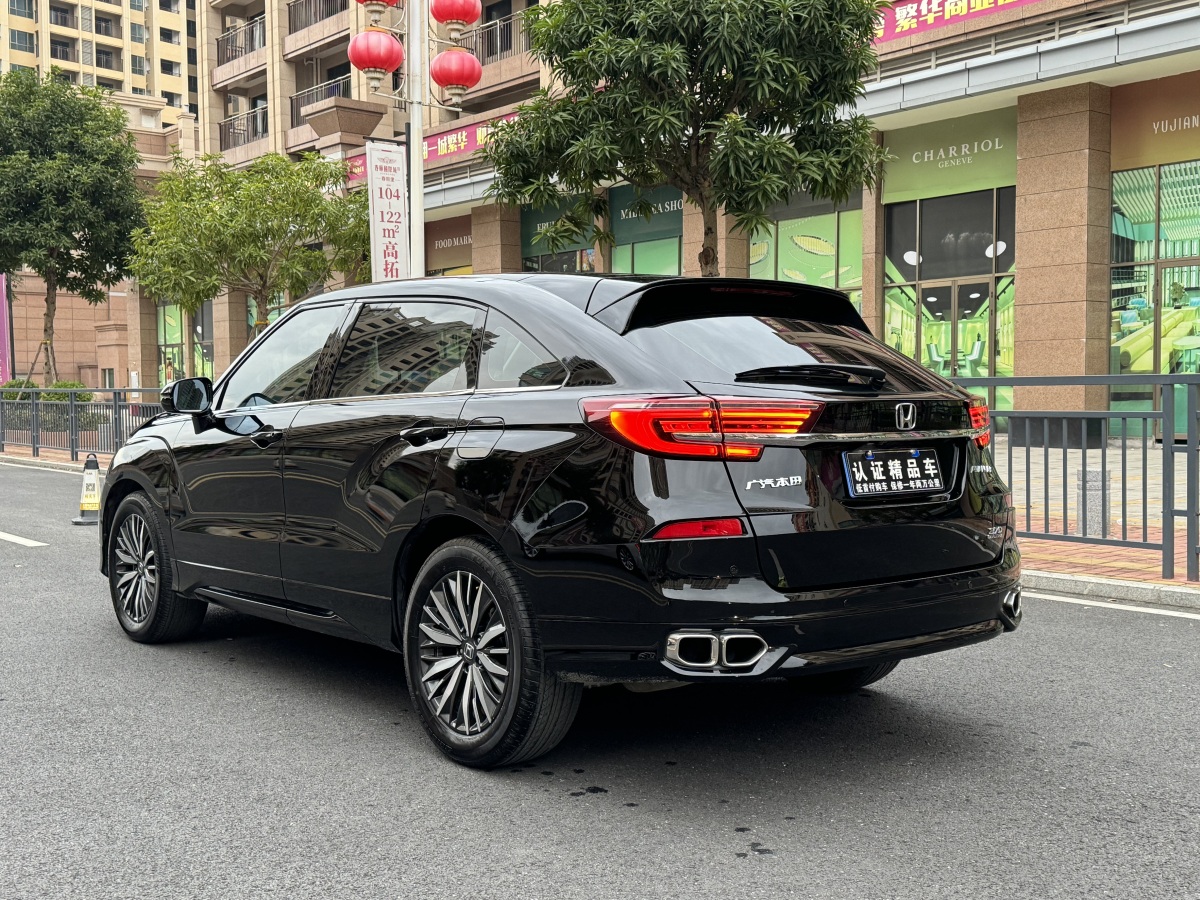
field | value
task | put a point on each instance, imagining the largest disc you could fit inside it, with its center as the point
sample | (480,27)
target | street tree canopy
(274,227)
(736,103)
(68,191)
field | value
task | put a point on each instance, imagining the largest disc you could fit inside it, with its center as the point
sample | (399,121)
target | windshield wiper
(816,373)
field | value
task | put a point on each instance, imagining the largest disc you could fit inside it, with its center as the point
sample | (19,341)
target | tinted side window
(407,348)
(279,369)
(512,358)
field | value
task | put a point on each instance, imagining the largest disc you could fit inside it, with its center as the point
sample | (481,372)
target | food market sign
(904,19)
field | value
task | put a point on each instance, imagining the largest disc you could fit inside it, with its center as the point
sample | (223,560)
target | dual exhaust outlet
(700,649)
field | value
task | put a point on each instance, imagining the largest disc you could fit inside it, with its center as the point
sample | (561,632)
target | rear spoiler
(679,299)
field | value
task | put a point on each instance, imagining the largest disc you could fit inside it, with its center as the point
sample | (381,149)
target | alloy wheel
(137,569)
(464,653)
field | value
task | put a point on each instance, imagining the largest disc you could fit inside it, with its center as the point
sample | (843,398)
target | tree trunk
(260,315)
(709,263)
(50,366)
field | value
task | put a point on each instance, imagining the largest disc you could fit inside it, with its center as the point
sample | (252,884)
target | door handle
(424,435)
(265,438)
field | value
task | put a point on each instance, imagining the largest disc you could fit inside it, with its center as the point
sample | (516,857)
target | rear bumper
(807,634)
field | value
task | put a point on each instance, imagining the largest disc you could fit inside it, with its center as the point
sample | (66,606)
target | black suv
(530,483)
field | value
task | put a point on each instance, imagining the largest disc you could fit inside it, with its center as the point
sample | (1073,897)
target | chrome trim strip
(868,436)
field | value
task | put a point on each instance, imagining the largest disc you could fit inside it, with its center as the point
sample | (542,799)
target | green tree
(736,103)
(274,227)
(68,192)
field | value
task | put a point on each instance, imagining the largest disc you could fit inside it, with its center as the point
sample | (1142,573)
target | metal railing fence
(244,128)
(338,87)
(498,40)
(1061,464)
(237,42)
(305,13)
(87,421)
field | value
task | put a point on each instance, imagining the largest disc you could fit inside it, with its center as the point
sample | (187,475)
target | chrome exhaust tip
(1010,609)
(741,649)
(693,649)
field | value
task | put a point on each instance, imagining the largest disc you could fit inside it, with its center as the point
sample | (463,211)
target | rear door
(876,489)
(357,463)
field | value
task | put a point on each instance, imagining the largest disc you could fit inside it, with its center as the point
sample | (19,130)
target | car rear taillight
(699,427)
(980,418)
(700,528)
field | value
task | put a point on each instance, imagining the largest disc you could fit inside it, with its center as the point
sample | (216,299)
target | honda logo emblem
(906,416)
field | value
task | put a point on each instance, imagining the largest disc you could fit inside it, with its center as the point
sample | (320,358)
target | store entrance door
(955,327)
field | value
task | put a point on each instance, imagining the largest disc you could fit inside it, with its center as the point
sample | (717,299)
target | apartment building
(142,47)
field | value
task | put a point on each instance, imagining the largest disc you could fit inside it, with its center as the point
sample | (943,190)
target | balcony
(338,87)
(509,71)
(106,28)
(63,52)
(241,41)
(313,25)
(106,61)
(237,131)
(306,13)
(60,18)
(498,40)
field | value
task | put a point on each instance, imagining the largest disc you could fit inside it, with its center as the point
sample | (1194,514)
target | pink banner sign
(904,19)
(5,333)
(461,142)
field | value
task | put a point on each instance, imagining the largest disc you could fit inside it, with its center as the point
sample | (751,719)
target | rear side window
(279,369)
(407,348)
(512,358)
(722,348)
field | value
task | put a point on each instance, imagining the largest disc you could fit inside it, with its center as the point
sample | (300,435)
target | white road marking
(1140,609)
(24,542)
(12,465)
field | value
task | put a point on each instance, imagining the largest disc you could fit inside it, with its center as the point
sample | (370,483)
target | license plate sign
(875,473)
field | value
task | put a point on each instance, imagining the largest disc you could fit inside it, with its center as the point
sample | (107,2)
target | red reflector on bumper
(700,528)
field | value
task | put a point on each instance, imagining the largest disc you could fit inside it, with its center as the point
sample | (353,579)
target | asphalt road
(263,761)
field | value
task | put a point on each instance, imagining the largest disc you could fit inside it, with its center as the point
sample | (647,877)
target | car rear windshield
(779,351)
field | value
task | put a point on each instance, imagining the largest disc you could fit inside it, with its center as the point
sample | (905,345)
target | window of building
(137,5)
(60,49)
(512,358)
(279,369)
(169,6)
(61,16)
(17,68)
(193,84)
(822,248)
(646,246)
(949,287)
(173,99)
(167,67)
(191,56)
(138,90)
(194,109)
(579,256)
(1154,277)
(137,33)
(170,343)
(108,379)
(22,8)
(104,58)
(191,28)
(408,348)
(137,65)
(104,26)
(202,341)
(24,41)
(168,36)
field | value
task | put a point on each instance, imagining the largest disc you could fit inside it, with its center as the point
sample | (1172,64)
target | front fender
(144,464)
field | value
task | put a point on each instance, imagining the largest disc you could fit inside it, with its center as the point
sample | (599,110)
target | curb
(29,462)
(1112,589)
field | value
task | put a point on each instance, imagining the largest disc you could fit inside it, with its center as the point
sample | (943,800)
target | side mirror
(188,395)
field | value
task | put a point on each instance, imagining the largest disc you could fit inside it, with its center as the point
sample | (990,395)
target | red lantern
(376,8)
(456,70)
(456,14)
(376,54)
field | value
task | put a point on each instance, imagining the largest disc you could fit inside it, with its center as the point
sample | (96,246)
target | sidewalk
(51,459)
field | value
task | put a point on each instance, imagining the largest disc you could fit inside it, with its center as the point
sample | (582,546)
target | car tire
(844,681)
(140,577)
(475,669)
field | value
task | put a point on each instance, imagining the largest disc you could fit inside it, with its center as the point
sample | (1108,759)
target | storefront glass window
(1006,344)
(762,253)
(1179,324)
(900,242)
(647,257)
(900,319)
(823,250)
(170,343)
(567,261)
(1179,211)
(956,236)
(1133,216)
(849,252)
(202,341)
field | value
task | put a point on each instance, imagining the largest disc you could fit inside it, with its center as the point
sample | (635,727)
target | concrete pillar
(873,257)
(733,246)
(141,330)
(230,331)
(1063,222)
(495,239)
